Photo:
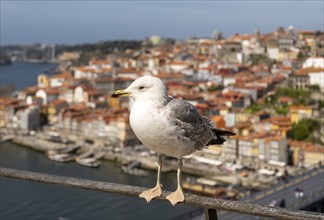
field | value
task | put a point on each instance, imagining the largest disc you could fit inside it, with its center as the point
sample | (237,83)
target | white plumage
(167,126)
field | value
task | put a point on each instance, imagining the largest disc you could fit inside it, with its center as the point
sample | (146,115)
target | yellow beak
(119,93)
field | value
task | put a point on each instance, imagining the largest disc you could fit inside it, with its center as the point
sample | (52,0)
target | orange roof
(86,69)
(306,71)
(104,70)
(96,61)
(285,99)
(237,37)
(57,102)
(169,75)
(129,70)
(175,62)
(306,32)
(64,75)
(300,107)
(280,121)
(8,101)
(233,94)
(51,91)
(307,146)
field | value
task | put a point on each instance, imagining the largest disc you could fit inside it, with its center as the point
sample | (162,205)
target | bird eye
(141,87)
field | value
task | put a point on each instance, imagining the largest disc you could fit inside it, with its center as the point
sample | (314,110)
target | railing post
(211,214)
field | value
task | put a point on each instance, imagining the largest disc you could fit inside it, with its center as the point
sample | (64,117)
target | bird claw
(150,194)
(176,197)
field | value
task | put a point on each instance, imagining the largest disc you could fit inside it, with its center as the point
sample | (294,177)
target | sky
(75,22)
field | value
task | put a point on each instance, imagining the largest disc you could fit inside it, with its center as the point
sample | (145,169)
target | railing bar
(201,201)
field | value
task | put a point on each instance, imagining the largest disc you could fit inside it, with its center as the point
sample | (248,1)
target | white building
(317,78)
(47,94)
(273,53)
(317,62)
(79,94)
(177,66)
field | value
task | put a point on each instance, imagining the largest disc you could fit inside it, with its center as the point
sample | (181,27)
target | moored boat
(89,162)
(64,157)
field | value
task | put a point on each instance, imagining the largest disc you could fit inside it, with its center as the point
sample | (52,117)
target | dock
(4,138)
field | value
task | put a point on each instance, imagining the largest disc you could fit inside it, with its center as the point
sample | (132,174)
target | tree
(303,131)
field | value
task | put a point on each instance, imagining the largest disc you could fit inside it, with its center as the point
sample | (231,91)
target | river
(20,199)
(22,75)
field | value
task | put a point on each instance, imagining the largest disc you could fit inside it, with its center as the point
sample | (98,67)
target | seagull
(168,126)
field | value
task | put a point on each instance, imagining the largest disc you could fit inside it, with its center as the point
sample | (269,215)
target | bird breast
(146,122)
(152,128)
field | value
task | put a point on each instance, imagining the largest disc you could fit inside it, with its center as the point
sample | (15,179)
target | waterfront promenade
(147,160)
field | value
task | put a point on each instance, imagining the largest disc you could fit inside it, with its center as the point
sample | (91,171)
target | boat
(132,169)
(211,188)
(70,149)
(64,157)
(63,154)
(89,159)
(89,162)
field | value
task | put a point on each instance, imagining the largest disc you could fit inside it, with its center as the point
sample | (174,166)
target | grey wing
(193,127)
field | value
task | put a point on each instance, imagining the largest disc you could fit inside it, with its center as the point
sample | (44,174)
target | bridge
(211,205)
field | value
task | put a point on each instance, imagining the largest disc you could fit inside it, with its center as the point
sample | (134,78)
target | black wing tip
(218,141)
(220,132)
(231,133)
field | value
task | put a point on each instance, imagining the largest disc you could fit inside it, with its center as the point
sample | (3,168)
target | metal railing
(209,204)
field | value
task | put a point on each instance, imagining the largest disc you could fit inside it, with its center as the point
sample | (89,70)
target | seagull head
(145,88)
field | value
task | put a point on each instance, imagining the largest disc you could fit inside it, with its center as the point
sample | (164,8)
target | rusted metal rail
(210,204)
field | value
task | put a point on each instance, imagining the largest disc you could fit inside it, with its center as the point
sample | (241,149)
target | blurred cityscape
(267,88)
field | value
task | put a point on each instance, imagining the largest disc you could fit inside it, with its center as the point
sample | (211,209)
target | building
(306,154)
(303,78)
(297,113)
(247,150)
(69,117)
(28,118)
(307,37)
(315,62)
(7,110)
(47,94)
(120,132)
(58,80)
(317,78)
(230,149)
(278,125)
(43,81)
(53,110)
(278,150)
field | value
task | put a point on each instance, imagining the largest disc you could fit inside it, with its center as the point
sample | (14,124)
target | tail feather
(219,134)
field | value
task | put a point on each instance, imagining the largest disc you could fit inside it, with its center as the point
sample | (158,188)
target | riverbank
(149,161)
(36,144)
(251,180)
